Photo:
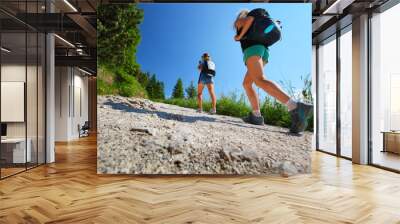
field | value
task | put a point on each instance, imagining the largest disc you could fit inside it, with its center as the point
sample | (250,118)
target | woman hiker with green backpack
(256,32)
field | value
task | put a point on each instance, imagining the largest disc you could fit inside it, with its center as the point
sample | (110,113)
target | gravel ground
(138,136)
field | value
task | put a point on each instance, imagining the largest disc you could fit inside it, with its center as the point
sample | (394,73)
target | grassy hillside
(273,112)
(118,83)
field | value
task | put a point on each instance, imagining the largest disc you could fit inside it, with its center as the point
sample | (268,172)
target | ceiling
(73,22)
(331,15)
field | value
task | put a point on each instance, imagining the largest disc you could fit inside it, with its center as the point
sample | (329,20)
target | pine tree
(118,35)
(151,86)
(143,78)
(159,91)
(191,91)
(178,93)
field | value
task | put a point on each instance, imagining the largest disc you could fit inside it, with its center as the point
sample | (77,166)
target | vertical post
(360,90)
(92,102)
(314,91)
(369,90)
(1,165)
(26,108)
(338,76)
(37,90)
(50,92)
(316,105)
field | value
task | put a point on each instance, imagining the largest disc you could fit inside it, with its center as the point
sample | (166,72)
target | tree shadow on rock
(161,114)
(189,119)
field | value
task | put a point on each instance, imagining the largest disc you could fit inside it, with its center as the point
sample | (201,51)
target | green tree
(191,91)
(143,77)
(159,91)
(151,85)
(118,36)
(154,87)
(178,93)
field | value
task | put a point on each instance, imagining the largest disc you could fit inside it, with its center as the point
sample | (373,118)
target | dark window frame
(339,32)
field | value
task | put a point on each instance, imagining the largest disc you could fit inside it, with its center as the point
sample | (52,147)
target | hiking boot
(251,119)
(213,111)
(199,110)
(300,117)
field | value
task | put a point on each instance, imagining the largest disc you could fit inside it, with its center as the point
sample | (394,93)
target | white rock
(287,168)
(167,139)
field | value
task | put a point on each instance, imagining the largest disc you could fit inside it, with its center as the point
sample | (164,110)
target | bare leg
(210,88)
(200,88)
(251,94)
(255,72)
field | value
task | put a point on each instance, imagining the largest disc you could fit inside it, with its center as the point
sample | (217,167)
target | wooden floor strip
(70,191)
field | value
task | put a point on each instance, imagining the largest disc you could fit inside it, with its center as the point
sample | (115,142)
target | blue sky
(174,36)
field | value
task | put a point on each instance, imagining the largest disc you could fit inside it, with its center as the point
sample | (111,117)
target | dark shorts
(205,79)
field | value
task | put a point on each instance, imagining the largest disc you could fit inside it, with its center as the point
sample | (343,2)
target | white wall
(80,89)
(62,81)
(33,126)
(13,101)
(70,83)
(12,73)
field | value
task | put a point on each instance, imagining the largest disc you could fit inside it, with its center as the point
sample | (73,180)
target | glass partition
(31,97)
(41,97)
(22,77)
(327,95)
(34,49)
(385,89)
(346,93)
(14,153)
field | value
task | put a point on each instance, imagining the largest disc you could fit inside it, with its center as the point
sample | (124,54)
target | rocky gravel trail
(138,136)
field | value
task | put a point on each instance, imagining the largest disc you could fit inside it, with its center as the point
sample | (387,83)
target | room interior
(28,57)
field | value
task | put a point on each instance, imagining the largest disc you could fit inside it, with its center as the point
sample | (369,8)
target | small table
(16,153)
(391,141)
